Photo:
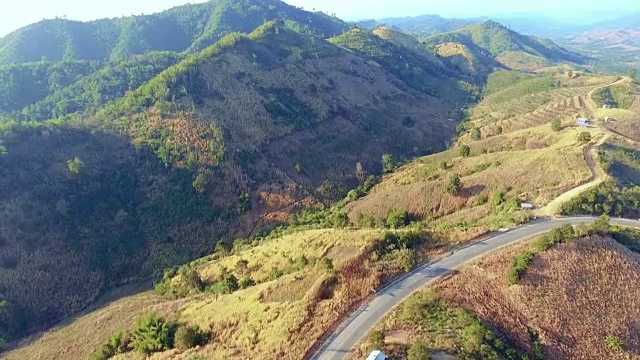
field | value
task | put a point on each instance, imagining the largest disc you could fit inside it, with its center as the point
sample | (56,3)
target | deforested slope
(581,298)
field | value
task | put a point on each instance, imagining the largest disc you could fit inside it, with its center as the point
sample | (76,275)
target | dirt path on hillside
(598,175)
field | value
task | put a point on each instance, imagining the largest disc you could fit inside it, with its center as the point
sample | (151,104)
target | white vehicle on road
(377,355)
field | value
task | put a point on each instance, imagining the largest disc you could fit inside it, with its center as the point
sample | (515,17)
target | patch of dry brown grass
(275,319)
(534,174)
(574,295)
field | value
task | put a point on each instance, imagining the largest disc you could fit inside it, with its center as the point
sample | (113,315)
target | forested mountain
(185,28)
(511,49)
(200,153)
(131,145)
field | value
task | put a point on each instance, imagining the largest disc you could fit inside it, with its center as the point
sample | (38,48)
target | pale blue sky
(17,13)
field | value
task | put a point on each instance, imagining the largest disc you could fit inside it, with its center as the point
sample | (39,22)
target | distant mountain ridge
(510,48)
(185,28)
(419,25)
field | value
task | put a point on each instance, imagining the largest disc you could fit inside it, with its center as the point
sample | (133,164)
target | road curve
(358,325)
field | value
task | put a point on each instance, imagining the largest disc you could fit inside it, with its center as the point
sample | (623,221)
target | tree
(633,73)
(200,183)
(222,248)
(418,351)
(465,151)
(229,284)
(455,184)
(75,166)
(299,168)
(476,134)
(376,340)
(584,136)
(397,218)
(3,151)
(444,165)
(387,163)
(151,334)
(556,125)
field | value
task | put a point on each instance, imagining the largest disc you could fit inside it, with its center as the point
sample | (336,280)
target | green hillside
(185,28)
(203,152)
(45,90)
(416,66)
(423,25)
(510,48)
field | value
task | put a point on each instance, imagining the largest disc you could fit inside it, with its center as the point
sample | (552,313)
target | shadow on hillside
(472,191)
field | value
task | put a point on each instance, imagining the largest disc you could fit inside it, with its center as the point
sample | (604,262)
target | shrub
(519,266)
(387,163)
(185,338)
(584,136)
(302,262)
(481,199)
(613,343)
(455,184)
(418,351)
(601,225)
(444,165)
(406,259)
(376,340)
(299,168)
(397,218)
(246,282)
(497,197)
(556,125)
(151,334)
(465,151)
(326,264)
(476,134)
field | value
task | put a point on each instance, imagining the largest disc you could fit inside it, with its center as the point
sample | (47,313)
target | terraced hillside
(513,156)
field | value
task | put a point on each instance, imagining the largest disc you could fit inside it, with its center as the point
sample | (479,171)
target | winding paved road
(358,325)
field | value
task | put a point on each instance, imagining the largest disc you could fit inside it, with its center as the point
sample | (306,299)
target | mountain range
(132,145)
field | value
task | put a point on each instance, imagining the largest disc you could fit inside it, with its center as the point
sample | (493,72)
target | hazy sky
(17,13)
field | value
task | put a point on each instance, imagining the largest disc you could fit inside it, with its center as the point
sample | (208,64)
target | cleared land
(574,296)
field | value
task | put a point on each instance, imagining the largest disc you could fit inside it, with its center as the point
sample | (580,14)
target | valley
(270,169)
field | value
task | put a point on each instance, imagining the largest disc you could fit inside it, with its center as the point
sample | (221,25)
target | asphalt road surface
(358,325)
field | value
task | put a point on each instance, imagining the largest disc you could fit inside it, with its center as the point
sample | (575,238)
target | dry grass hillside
(574,295)
(513,151)
(534,164)
(292,305)
(579,300)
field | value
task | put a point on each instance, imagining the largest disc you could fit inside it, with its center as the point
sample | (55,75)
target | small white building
(377,355)
(526,206)
(606,106)
(583,122)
